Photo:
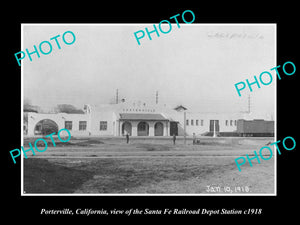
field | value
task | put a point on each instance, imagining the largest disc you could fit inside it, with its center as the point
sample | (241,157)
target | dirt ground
(149,166)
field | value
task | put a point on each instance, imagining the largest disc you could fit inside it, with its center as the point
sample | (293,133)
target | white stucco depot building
(137,119)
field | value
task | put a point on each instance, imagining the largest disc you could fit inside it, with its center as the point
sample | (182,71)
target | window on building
(82,125)
(235,123)
(197,122)
(103,125)
(68,125)
(230,122)
(187,122)
(202,122)
(192,122)
(226,122)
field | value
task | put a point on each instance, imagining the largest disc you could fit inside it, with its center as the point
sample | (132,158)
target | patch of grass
(153,147)
(58,143)
(42,176)
(144,175)
(89,142)
(119,175)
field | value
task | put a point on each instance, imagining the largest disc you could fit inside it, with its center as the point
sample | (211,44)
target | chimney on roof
(117,96)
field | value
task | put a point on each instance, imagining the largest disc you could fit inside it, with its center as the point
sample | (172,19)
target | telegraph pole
(184,126)
(117,96)
(249,103)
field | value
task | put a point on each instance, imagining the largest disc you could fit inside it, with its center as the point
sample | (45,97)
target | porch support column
(134,128)
(151,128)
(166,128)
(120,128)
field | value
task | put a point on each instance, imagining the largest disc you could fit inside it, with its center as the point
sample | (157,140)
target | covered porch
(142,124)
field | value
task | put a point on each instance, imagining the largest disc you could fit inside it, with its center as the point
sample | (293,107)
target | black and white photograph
(151,112)
(178,113)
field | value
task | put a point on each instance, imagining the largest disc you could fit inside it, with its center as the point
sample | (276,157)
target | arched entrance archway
(143,129)
(158,129)
(45,127)
(126,128)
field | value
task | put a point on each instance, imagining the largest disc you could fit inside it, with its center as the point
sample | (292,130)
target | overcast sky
(195,65)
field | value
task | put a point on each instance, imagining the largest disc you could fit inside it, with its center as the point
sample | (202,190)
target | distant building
(137,119)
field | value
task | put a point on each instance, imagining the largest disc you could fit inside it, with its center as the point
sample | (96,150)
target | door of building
(158,129)
(143,129)
(212,124)
(173,128)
